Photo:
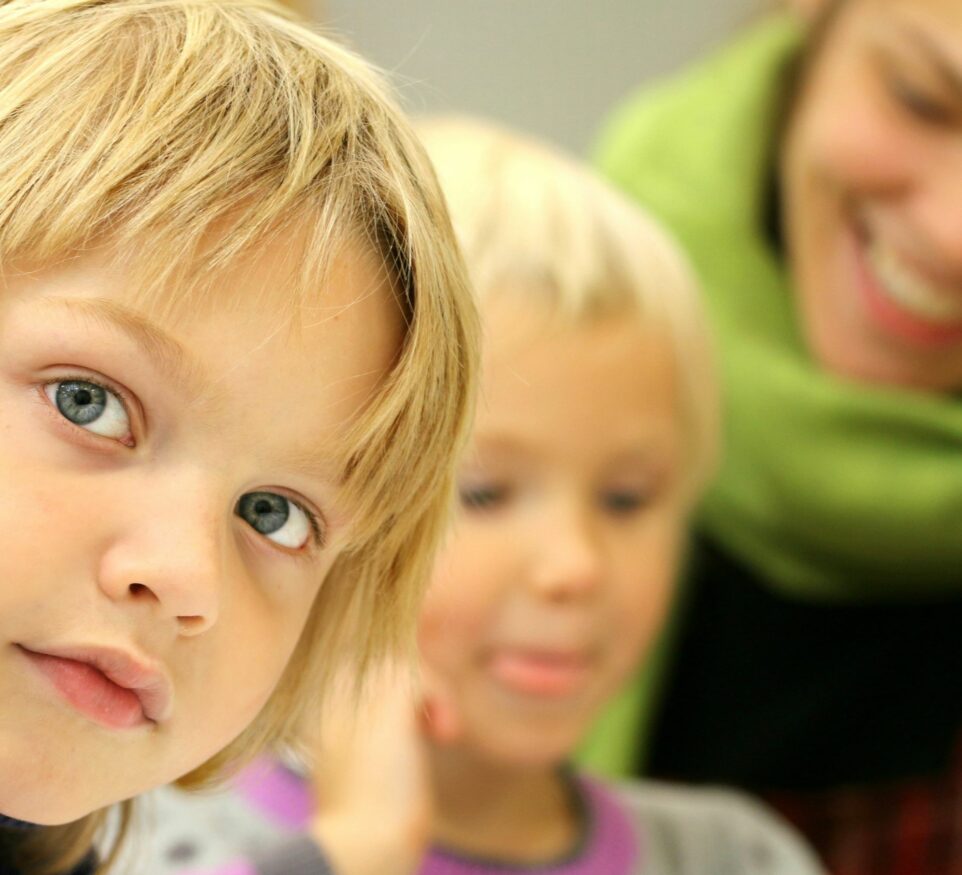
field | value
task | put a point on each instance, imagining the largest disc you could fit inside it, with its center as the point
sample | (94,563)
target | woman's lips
(890,315)
(547,674)
(109,686)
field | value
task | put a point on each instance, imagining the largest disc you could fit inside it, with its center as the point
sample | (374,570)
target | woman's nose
(938,213)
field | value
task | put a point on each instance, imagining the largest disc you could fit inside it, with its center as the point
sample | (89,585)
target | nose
(939,214)
(168,553)
(569,563)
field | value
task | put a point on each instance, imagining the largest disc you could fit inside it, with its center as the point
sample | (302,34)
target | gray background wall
(552,67)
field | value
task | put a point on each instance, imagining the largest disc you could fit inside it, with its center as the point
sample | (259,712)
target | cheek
(647,579)
(42,516)
(447,632)
(255,638)
(456,616)
(850,137)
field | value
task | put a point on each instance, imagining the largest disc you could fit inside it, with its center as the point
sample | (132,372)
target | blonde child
(236,349)
(595,433)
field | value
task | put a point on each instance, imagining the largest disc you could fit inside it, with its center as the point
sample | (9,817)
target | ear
(808,9)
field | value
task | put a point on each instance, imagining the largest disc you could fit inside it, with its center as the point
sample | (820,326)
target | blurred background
(551,67)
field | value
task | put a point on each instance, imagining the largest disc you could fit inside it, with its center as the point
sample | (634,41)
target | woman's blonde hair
(189,132)
(532,220)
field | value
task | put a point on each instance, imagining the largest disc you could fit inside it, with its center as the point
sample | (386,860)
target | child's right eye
(482,497)
(91,407)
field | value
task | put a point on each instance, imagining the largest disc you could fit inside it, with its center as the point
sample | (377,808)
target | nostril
(193,624)
(138,590)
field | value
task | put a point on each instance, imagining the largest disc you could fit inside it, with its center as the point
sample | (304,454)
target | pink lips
(893,318)
(111,687)
(543,673)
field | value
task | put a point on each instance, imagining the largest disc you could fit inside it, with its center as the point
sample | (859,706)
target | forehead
(933,20)
(257,370)
(596,386)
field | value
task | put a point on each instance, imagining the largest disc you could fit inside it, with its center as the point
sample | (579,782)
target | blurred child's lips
(535,672)
(112,687)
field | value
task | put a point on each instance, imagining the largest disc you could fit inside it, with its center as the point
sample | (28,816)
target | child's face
(169,509)
(558,571)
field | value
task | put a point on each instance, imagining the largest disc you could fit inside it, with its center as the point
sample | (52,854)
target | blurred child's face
(561,562)
(170,506)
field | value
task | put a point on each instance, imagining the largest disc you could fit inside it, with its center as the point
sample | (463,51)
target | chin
(527,744)
(41,802)
(48,782)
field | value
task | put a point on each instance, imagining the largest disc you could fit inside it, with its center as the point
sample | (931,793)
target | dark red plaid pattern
(910,828)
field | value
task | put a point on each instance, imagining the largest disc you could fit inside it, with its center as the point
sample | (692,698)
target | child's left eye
(623,502)
(275,517)
(90,406)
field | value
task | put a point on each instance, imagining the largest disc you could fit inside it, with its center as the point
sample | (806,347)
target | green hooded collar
(829,489)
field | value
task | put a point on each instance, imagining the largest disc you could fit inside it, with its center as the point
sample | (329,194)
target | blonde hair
(532,220)
(189,132)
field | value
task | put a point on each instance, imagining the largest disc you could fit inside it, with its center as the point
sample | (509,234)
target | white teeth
(900,283)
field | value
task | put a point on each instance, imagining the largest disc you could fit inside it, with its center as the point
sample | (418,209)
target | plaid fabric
(910,828)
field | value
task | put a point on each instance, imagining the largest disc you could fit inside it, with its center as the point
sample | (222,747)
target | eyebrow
(171,358)
(935,54)
(165,352)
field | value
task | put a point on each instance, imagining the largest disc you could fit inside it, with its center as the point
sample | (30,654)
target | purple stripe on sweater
(611,847)
(280,795)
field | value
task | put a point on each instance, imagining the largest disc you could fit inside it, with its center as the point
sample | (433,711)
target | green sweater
(832,490)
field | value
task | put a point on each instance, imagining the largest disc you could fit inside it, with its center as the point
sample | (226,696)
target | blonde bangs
(534,222)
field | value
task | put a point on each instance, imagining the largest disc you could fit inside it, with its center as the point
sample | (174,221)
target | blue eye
(483,497)
(275,517)
(90,406)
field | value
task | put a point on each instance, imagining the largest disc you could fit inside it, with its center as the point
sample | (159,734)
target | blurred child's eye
(90,406)
(277,518)
(482,497)
(622,502)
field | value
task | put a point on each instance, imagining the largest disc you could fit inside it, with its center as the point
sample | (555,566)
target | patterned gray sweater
(637,828)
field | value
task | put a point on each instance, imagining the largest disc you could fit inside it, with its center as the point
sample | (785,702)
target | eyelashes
(97,409)
(279,518)
(489,498)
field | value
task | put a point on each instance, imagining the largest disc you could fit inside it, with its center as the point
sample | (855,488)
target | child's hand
(370,779)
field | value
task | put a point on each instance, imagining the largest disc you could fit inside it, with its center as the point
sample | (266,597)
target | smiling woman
(816,653)
(871,185)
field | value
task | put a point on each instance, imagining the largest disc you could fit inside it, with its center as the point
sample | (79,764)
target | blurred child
(595,433)
(235,352)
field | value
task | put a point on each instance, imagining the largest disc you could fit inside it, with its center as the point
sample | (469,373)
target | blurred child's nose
(168,552)
(569,562)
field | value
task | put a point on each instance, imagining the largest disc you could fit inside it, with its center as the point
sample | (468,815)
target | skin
(872,162)
(566,546)
(133,540)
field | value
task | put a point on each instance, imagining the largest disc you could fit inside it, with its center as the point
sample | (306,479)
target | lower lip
(90,691)
(889,315)
(540,675)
